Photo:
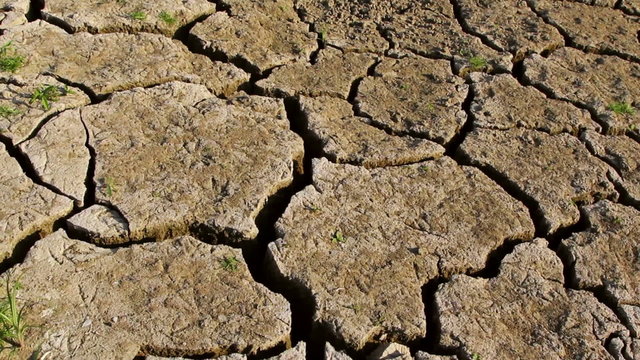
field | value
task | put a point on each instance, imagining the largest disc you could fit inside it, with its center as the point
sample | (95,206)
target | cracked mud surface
(321,179)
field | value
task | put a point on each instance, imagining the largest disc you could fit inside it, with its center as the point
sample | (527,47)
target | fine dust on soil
(321,179)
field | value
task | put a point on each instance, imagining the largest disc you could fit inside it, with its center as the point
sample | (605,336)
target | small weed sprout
(312,208)
(423,168)
(46,94)
(633,127)
(7,112)
(617,220)
(109,186)
(167,18)
(230,263)
(477,63)
(378,320)
(9,60)
(476,356)
(338,238)
(621,108)
(138,15)
(12,324)
(323,37)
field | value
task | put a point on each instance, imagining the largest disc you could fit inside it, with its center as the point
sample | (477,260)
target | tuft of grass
(621,108)
(46,94)
(138,15)
(109,186)
(7,111)
(477,63)
(12,323)
(313,208)
(9,60)
(167,18)
(323,37)
(230,263)
(338,238)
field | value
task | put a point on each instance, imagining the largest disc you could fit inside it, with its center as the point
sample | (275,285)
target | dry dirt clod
(21,115)
(606,256)
(501,103)
(607,3)
(554,171)
(510,26)
(361,239)
(262,36)
(606,85)
(332,75)
(27,208)
(620,152)
(420,355)
(110,16)
(173,159)
(330,353)
(391,351)
(100,225)
(525,312)
(414,96)
(298,352)
(593,28)
(59,155)
(346,138)
(171,298)
(631,6)
(106,63)
(14,13)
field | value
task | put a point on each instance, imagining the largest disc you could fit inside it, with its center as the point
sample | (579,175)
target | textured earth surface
(320,179)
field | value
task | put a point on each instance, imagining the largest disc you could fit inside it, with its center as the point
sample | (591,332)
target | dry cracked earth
(321,179)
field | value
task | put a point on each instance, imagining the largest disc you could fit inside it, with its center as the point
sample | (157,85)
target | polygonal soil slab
(332,75)
(259,35)
(431,29)
(606,256)
(14,13)
(593,28)
(347,25)
(298,352)
(631,6)
(99,16)
(173,158)
(501,103)
(552,171)
(599,82)
(346,138)
(414,96)
(607,3)
(106,63)
(428,28)
(620,152)
(525,312)
(99,224)
(510,26)
(22,115)
(171,298)
(27,208)
(59,155)
(359,240)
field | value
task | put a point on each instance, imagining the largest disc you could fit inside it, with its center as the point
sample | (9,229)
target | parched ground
(320,179)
